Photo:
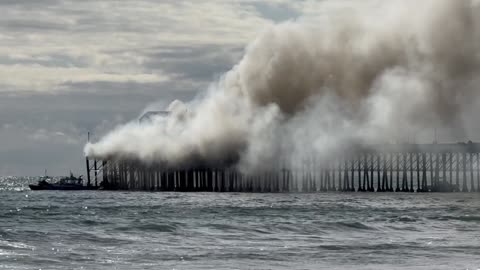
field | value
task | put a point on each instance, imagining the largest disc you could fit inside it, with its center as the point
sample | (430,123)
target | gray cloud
(94,107)
(200,63)
(28,3)
(22,24)
(69,67)
(276,11)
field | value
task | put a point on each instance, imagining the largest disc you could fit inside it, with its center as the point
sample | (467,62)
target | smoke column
(366,74)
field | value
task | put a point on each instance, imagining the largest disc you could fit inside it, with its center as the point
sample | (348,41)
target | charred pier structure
(385,168)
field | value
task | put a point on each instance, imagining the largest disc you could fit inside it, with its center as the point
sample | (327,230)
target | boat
(65,183)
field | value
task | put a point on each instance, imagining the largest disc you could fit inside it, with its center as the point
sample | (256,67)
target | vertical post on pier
(424,172)
(405,180)
(110,177)
(322,179)
(241,179)
(215,180)
(464,167)
(199,179)
(327,179)
(372,170)
(366,176)
(95,171)
(204,179)
(184,179)
(131,178)
(153,179)
(478,173)
(398,173)
(247,183)
(144,178)
(209,178)
(266,182)
(450,169)
(411,172)
(113,180)
(457,172)
(346,186)
(353,174)
(437,170)
(295,178)
(359,174)
(378,172)
(313,176)
(391,173)
(332,167)
(104,172)
(88,171)
(444,166)
(472,181)
(287,184)
(171,180)
(418,170)
(312,173)
(163,179)
(366,171)
(385,173)
(238,181)
(190,180)
(432,171)
(246,180)
(221,176)
(339,168)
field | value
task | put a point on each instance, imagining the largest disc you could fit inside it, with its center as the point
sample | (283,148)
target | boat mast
(88,163)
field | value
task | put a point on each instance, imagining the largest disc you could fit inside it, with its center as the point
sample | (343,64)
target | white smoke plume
(366,74)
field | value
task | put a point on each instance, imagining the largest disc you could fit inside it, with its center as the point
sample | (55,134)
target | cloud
(68,67)
(42,78)
(277,11)
(43,48)
(199,63)
(46,43)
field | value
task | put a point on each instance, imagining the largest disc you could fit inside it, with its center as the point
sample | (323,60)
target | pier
(384,168)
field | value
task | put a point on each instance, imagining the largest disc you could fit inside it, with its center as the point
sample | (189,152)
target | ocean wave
(351,225)
(149,227)
(466,218)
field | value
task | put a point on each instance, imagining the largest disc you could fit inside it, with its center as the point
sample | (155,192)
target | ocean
(146,230)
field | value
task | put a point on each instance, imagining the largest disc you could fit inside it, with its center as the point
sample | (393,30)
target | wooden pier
(385,168)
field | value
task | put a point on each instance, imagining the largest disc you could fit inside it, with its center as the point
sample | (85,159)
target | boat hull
(61,187)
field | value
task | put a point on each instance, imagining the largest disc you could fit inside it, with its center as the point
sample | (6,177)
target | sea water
(144,230)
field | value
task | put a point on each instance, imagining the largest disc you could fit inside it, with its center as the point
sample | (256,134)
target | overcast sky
(69,67)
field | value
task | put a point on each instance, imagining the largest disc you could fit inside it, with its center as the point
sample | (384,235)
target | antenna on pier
(435,134)
(88,137)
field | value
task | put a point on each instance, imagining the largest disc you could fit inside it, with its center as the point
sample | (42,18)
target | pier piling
(411,168)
